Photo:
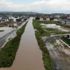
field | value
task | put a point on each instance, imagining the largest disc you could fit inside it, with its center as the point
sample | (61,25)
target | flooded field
(5,30)
(29,56)
(61,60)
(6,34)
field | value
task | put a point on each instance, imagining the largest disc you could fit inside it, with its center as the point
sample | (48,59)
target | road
(29,56)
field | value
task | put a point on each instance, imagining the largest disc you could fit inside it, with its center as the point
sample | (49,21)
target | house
(56,19)
(41,19)
(65,22)
(12,18)
(48,19)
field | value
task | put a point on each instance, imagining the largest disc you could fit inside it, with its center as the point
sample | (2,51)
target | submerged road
(29,56)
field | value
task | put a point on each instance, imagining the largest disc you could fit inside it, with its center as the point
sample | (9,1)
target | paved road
(29,56)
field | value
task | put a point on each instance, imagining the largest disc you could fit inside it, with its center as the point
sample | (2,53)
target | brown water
(29,56)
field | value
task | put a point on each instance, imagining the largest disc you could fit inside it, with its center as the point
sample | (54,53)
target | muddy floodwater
(29,56)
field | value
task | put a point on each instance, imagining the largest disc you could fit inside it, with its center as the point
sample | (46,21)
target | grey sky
(44,6)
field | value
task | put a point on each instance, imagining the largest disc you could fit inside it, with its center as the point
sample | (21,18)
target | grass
(37,25)
(8,53)
(44,31)
(66,40)
(45,53)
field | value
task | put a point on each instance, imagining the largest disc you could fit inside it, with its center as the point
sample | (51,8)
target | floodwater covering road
(61,61)
(29,56)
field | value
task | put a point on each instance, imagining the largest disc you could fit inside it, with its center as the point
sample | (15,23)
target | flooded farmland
(6,34)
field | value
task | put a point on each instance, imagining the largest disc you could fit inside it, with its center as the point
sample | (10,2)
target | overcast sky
(43,6)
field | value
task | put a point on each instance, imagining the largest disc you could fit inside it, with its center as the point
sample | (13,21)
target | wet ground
(6,31)
(6,34)
(61,61)
(29,56)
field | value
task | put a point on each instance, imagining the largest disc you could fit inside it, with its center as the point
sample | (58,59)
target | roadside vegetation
(8,53)
(39,32)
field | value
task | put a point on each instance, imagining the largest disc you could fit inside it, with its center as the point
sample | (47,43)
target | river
(29,56)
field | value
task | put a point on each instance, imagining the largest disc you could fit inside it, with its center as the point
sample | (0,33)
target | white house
(41,19)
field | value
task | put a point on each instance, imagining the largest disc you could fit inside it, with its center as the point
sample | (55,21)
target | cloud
(40,5)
